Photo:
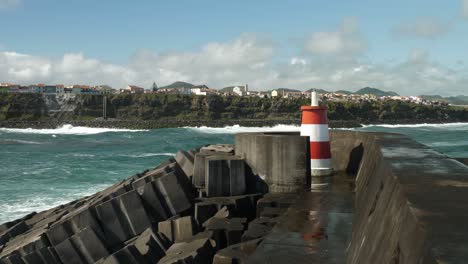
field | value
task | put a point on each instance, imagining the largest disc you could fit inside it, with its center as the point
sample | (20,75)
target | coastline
(171,123)
(154,124)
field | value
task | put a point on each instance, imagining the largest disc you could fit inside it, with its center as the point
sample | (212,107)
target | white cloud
(296,60)
(423,27)
(465,8)
(247,59)
(7,4)
(346,41)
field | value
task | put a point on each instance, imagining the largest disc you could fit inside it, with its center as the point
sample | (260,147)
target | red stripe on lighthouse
(317,116)
(320,150)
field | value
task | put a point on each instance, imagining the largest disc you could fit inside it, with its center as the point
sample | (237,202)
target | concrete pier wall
(410,204)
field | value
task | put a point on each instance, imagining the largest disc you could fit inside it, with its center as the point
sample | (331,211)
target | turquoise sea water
(41,169)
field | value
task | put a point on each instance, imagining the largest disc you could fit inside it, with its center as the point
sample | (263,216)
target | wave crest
(240,129)
(67,130)
(443,125)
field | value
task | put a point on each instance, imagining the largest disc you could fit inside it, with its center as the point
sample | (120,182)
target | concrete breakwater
(392,200)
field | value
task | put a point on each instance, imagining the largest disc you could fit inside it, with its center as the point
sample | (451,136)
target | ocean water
(41,169)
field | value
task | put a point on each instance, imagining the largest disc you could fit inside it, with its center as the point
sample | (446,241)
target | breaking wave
(443,125)
(240,129)
(67,130)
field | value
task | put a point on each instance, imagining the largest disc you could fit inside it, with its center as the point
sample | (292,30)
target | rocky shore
(167,123)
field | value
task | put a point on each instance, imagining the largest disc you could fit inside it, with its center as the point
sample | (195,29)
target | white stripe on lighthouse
(320,163)
(316,132)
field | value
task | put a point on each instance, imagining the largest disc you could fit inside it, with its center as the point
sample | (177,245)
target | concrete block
(224,176)
(33,258)
(198,179)
(126,255)
(151,200)
(179,229)
(134,213)
(197,251)
(152,246)
(67,253)
(83,247)
(227,231)
(73,223)
(15,230)
(14,258)
(113,229)
(238,206)
(204,211)
(90,246)
(223,148)
(48,255)
(185,159)
(172,191)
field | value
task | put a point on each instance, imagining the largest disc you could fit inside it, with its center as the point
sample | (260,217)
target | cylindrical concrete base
(280,159)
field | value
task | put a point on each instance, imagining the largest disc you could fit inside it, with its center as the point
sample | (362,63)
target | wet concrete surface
(315,229)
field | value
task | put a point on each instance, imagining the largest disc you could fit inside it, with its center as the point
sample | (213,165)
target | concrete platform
(315,229)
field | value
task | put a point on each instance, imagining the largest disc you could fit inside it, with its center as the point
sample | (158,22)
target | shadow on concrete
(355,157)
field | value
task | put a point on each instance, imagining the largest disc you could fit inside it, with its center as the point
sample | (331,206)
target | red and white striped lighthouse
(314,124)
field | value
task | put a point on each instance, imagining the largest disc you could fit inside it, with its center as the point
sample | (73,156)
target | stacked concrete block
(126,255)
(173,194)
(198,179)
(239,206)
(15,230)
(224,176)
(197,251)
(204,211)
(152,246)
(125,217)
(83,247)
(14,258)
(227,231)
(185,159)
(153,202)
(179,229)
(218,148)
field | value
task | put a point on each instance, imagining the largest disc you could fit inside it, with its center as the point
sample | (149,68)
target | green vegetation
(173,107)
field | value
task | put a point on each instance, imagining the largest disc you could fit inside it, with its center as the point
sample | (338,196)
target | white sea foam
(444,125)
(18,208)
(239,129)
(145,155)
(17,141)
(67,130)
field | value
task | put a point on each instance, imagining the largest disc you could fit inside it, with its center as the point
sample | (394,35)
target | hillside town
(183,88)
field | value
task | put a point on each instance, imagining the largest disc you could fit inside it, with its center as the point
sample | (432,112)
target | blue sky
(411,47)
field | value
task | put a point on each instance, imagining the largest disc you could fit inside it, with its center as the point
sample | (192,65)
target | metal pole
(104,107)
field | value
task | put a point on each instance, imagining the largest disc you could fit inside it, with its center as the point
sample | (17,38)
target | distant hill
(286,90)
(321,91)
(344,92)
(178,85)
(455,100)
(375,91)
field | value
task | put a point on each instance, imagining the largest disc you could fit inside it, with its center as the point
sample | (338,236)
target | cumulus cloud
(465,8)
(7,4)
(247,59)
(424,27)
(346,41)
